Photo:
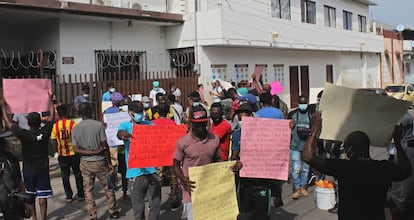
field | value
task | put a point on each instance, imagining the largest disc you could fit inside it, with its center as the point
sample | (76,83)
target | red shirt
(223,132)
(234,106)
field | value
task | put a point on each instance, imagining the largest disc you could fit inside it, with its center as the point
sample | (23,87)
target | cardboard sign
(112,124)
(27,95)
(265,148)
(105,105)
(345,110)
(214,196)
(154,145)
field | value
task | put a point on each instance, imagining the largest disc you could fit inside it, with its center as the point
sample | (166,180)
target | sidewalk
(301,209)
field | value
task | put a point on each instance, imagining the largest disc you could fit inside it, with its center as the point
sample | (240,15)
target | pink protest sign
(264,149)
(276,88)
(26,95)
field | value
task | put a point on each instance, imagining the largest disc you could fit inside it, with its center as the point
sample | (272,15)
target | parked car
(401,91)
(377,91)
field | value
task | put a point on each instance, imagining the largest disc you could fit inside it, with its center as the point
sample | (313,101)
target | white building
(302,43)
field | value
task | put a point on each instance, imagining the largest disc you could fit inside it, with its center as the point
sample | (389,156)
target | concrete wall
(79,39)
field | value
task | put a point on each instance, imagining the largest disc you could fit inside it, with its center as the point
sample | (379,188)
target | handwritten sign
(154,145)
(214,196)
(136,97)
(112,124)
(105,105)
(264,148)
(345,110)
(27,95)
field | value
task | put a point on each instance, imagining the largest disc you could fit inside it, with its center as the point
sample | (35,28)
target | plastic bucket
(325,198)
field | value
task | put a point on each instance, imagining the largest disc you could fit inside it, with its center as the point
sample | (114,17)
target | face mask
(138,117)
(172,90)
(303,107)
(146,105)
(112,90)
(86,95)
(195,104)
(124,108)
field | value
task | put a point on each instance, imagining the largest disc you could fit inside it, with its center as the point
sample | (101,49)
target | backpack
(11,197)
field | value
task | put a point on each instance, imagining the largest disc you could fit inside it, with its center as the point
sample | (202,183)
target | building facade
(301,43)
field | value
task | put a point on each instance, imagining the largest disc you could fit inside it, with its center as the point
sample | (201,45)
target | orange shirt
(62,133)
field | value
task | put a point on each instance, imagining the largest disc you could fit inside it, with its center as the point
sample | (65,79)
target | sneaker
(115,215)
(334,209)
(69,200)
(175,206)
(296,194)
(80,199)
(312,180)
(304,192)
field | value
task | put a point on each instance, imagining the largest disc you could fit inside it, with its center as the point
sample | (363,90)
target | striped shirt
(62,133)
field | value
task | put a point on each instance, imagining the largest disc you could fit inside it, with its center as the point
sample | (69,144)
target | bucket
(325,198)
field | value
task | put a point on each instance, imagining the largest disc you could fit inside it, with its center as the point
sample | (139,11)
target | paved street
(302,209)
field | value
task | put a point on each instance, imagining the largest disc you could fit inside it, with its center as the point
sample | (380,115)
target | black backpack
(11,198)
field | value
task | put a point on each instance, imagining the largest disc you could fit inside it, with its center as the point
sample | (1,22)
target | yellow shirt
(62,133)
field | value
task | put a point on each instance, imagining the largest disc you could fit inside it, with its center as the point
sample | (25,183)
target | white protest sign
(112,124)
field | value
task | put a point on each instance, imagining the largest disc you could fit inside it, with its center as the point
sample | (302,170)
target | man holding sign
(142,181)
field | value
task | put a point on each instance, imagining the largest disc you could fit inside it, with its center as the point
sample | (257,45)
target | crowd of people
(214,134)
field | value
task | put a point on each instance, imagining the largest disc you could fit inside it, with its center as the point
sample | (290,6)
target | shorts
(38,184)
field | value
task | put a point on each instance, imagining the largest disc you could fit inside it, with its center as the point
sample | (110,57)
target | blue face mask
(303,107)
(146,105)
(138,117)
(195,104)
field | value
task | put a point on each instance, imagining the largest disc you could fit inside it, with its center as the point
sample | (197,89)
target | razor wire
(16,61)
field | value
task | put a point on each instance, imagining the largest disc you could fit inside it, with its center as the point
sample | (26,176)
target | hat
(250,98)
(4,134)
(156,84)
(198,114)
(116,96)
(242,91)
(145,99)
(245,107)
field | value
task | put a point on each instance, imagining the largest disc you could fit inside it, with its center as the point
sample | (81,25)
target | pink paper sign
(26,95)
(276,88)
(264,149)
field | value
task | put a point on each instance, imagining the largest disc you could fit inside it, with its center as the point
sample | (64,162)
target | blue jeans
(141,186)
(300,169)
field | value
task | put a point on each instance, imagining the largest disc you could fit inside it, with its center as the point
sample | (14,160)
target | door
(298,87)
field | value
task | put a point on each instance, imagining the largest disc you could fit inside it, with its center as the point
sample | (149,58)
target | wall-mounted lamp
(129,23)
(275,35)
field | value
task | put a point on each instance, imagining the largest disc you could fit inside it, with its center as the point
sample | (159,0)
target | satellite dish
(400,27)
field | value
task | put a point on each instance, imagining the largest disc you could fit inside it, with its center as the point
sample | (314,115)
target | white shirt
(153,93)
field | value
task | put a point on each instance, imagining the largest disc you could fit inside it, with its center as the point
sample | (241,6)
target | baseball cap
(156,84)
(245,107)
(250,98)
(145,99)
(242,91)
(198,114)
(116,96)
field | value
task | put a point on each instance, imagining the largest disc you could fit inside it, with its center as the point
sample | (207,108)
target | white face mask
(112,90)
(124,108)
(86,95)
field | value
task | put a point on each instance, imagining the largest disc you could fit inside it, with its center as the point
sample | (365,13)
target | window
(347,20)
(330,16)
(281,9)
(112,64)
(308,11)
(362,23)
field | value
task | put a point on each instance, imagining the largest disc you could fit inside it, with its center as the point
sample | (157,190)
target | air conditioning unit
(102,2)
(136,6)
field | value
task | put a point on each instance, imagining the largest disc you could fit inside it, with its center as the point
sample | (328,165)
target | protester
(142,181)
(12,206)
(274,113)
(163,110)
(146,102)
(363,182)
(256,84)
(200,90)
(35,156)
(402,193)
(175,91)
(216,92)
(197,148)
(83,97)
(110,89)
(62,141)
(156,89)
(300,130)
(152,113)
(194,100)
(253,193)
(121,159)
(221,128)
(89,141)
(177,109)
